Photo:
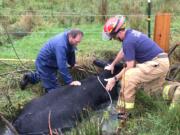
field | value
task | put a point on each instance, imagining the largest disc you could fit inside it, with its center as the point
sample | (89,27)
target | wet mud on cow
(62,108)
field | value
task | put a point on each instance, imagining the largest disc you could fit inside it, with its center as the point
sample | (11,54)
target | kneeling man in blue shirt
(54,56)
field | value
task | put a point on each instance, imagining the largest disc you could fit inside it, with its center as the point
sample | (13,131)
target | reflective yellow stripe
(166,92)
(126,105)
(172,106)
(148,19)
(106,115)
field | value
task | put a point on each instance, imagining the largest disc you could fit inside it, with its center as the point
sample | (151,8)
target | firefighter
(145,61)
(171,92)
(54,56)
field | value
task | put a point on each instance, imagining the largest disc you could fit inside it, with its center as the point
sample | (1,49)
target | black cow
(62,108)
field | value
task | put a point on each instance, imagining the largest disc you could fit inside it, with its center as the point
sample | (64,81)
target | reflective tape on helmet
(112,26)
(166,92)
(126,105)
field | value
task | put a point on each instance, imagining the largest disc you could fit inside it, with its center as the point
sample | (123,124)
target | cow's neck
(101,82)
(104,75)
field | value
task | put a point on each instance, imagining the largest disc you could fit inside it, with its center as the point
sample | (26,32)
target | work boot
(25,80)
(122,118)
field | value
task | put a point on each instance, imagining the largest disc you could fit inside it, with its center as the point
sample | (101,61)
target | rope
(106,113)
(110,105)
(123,98)
(49,123)
(7,64)
(122,121)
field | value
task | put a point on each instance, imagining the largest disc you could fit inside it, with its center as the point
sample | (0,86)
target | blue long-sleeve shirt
(56,53)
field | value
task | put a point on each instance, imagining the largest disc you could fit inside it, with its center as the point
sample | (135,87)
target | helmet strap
(115,27)
(115,33)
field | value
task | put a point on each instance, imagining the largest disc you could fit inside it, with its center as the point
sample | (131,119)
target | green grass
(28,47)
(151,117)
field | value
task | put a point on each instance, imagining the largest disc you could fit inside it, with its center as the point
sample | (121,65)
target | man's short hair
(74,32)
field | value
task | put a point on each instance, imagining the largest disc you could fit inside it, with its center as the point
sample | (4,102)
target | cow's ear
(118,67)
(100,63)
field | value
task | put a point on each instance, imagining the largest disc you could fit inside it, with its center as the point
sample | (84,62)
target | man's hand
(109,67)
(73,66)
(76,65)
(75,83)
(110,83)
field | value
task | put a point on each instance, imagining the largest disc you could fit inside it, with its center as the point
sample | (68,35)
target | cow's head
(106,73)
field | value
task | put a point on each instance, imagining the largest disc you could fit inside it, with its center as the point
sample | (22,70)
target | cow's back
(64,106)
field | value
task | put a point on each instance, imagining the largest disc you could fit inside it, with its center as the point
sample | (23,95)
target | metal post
(51,2)
(149,18)
(1,3)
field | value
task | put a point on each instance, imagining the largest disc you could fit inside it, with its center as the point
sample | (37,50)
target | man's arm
(111,81)
(62,64)
(118,58)
(72,59)
(130,64)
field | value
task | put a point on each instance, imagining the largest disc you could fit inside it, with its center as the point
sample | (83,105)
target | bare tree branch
(9,125)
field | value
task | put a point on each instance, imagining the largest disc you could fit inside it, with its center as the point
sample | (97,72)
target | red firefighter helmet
(113,26)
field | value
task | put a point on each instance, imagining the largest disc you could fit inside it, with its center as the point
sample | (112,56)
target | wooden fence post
(162,30)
